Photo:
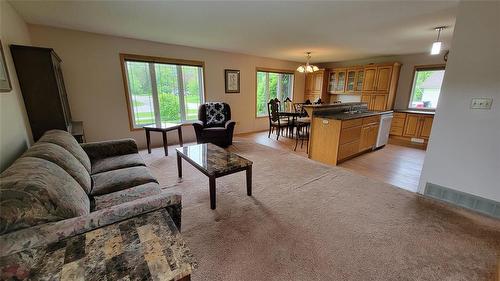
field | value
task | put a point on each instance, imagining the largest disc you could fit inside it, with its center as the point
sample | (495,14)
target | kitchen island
(343,131)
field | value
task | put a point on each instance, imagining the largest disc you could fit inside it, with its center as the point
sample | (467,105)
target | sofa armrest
(230,125)
(47,233)
(103,149)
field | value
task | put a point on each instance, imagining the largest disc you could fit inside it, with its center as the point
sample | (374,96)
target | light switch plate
(481,103)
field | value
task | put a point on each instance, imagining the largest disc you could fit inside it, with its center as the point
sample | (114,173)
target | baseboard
(472,202)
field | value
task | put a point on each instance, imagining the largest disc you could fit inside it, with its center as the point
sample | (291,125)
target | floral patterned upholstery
(120,179)
(43,195)
(35,191)
(127,195)
(60,156)
(116,162)
(68,142)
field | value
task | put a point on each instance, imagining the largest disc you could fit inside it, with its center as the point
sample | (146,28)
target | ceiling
(331,30)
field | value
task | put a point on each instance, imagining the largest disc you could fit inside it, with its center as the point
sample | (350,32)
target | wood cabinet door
(325,134)
(383,78)
(332,81)
(309,82)
(366,98)
(426,123)
(359,80)
(369,79)
(341,80)
(350,81)
(373,135)
(412,126)
(318,82)
(364,141)
(378,102)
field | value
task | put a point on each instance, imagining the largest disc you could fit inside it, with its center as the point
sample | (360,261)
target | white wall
(464,148)
(93,78)
(15,134)
(405,77)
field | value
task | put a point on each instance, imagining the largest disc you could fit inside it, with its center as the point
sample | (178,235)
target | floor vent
(469,201)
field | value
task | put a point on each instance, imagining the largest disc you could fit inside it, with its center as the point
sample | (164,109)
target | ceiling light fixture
(308,68)
(436,46)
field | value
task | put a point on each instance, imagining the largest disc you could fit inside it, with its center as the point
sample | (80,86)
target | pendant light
(308,68)
(436,46)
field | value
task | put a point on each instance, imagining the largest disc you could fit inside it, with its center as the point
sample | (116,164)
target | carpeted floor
(308,221)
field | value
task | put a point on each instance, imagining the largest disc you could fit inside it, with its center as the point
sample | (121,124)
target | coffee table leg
(179,165)
(249,181)
(212,192)
(179,131)
(148,140)
(165,146)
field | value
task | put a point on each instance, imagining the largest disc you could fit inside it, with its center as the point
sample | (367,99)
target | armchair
(214,124)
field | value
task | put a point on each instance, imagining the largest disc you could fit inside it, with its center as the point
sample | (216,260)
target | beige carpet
(308,221)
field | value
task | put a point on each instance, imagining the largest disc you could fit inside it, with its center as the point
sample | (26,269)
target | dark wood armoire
(42,85)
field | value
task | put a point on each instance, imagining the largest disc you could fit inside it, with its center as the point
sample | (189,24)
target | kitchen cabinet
(412,125)
(336,140)
(379,85)
(418,126)
(316,86)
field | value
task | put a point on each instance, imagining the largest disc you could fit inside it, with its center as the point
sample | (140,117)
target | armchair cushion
(216,113)
(36,191)
(121,179)
(116,162)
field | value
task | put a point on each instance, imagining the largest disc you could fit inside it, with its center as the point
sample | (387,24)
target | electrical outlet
(481,103)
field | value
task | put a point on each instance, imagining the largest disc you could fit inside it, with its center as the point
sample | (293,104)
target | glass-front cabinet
(351,81)
(359,80)
(341,79)
(332,81)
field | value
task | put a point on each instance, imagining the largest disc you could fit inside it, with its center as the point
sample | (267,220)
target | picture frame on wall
(232,81)
(5,85)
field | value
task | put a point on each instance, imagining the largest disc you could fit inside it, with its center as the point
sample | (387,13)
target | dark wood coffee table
(163,128)
(214,162)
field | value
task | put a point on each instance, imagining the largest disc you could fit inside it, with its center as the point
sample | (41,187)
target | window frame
(272,70)
(412,85)
(153,59)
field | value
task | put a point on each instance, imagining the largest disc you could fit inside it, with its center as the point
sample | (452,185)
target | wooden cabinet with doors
(418,126)
(406,127)
(316,86)
(379,85)
(334,140)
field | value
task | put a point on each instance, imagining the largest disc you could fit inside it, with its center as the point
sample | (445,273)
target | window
(270,85)
(162,90)
(426,87)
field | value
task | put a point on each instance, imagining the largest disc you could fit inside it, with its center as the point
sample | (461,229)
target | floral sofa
(59,188)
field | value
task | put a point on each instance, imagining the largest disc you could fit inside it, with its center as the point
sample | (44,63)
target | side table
(163,128)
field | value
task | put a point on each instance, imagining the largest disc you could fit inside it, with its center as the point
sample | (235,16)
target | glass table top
(213,159)
(163,125)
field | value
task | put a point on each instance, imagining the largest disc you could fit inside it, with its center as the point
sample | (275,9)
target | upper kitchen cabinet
(316,86)
(379,85)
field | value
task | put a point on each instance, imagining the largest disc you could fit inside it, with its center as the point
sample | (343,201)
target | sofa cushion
(60,156)
(127,195)
(117,162)
(68,142)
(120,179)
(35,191)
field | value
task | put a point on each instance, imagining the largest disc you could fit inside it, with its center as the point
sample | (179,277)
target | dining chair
(275,122)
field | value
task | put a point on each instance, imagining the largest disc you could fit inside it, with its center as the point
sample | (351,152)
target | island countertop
(415,111)
(349,116)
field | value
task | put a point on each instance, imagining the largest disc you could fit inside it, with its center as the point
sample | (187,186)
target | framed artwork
(5,85)
(232,81)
